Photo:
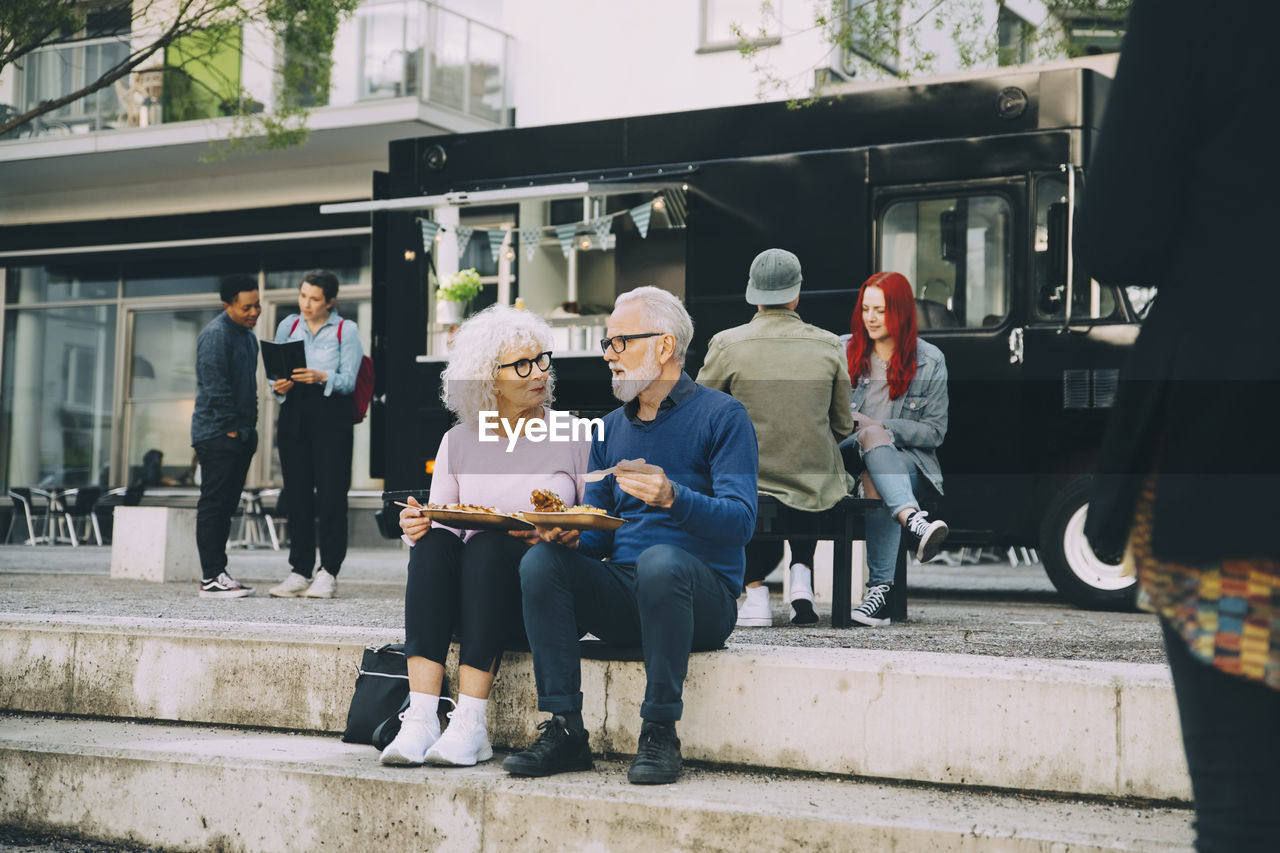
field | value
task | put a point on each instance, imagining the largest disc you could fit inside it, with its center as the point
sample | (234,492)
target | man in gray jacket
(224,426)
(794,382)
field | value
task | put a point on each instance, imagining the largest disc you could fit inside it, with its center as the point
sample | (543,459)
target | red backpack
(363,392)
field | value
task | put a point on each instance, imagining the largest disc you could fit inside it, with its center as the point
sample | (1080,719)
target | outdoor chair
(25,508)
(79,513)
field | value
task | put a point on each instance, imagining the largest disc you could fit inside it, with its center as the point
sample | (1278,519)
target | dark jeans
(315,437)
(763,556)
(224,463)
(471,588)
(670,603)
(1231,733)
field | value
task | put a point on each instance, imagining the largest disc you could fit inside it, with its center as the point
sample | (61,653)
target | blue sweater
(704,441)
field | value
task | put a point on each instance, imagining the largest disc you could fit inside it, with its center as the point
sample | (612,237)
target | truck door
(1071,367)
(957,245)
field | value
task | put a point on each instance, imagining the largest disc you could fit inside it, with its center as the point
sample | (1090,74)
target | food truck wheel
(1075,570)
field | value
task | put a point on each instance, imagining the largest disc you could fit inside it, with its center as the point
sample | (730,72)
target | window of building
(757,20)
(72,63)
(1014,35)
(61,283)
(873,29)
(956,252)
(56,395)
(202,76)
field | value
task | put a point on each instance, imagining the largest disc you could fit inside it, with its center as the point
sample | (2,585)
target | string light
(410,255)
(657,204)
(511,254)
(586,243)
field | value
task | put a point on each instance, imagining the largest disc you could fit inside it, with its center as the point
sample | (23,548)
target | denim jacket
(917,419)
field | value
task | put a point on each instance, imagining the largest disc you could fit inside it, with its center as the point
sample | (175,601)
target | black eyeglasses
(524,366)
(619,342)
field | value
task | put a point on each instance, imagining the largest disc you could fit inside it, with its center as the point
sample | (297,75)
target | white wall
(579,60)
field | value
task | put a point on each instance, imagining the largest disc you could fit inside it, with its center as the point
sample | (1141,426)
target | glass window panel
(162,387)
(56,396)
(955,252)
(449,60)
(1092,301)
(391,42)
(487,61)
(60,282)
(197,275)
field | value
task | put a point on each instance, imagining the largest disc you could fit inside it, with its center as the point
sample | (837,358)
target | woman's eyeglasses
(524,366)
(619,342)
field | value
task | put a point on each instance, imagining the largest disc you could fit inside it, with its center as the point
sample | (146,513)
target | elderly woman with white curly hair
(500,361)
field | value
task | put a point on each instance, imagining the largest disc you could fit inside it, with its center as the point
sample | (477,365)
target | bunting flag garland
(463,233)
(640,216)
(564,233)
(496,239)
(602,225)
(529,238)
(429,231)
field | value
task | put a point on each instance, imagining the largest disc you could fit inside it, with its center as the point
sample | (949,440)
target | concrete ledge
(1106,729)
(154,543)
(210,789)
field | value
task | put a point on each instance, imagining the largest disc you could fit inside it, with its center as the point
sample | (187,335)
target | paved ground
(991,609)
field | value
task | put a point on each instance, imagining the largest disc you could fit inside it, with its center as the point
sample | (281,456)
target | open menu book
(281,360)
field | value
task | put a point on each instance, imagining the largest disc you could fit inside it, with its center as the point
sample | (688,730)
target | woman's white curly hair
(467,383)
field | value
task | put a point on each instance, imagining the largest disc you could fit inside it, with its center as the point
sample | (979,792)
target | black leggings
(763,556)
(1231,733)
(471,588)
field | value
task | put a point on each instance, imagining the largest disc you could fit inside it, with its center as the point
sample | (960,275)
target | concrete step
(1102,729)
(189,788)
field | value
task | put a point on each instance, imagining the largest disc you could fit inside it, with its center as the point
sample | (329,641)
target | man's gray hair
(664,313)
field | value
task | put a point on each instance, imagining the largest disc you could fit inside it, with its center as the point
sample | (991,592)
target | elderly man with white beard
(683,460)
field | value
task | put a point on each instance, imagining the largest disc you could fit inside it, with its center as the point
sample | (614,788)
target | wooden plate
(463,519)
(575,520)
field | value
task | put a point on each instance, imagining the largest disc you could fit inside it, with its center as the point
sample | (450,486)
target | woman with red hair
(900,418)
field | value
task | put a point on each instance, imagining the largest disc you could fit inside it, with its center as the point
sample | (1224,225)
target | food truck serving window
(956,253)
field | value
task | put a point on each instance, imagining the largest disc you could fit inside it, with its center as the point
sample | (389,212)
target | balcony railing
(389,49)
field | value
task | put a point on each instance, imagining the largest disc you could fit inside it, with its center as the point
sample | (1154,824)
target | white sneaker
(324,586)
(418,731)
(292,586)
(463,743)
(802,595)
(755,612)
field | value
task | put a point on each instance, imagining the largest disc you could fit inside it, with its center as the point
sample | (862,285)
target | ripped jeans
(895,477)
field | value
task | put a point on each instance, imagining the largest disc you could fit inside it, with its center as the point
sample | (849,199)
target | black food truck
(966,187)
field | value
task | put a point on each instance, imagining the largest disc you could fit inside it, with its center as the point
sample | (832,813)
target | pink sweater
(469,471)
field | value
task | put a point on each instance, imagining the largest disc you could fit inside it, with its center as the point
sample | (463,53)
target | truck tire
(1080,575)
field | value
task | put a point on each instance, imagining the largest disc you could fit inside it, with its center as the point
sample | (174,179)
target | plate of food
(551,511)
(472,517)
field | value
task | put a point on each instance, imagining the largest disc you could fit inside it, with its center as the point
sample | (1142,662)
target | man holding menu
(682,463)
(224,426)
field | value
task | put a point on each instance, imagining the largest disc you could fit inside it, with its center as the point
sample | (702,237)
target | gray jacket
(226,381)
(918,419)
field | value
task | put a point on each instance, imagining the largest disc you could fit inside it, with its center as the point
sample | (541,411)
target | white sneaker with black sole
(927,535)
(802,595)
(463,743)
(224,586)
(874,609)
(755,612)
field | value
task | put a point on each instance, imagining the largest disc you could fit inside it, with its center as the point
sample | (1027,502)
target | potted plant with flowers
(452,296)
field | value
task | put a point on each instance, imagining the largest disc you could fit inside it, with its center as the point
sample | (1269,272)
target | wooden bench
(843,524)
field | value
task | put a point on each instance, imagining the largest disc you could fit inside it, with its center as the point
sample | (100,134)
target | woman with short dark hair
(315,435)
